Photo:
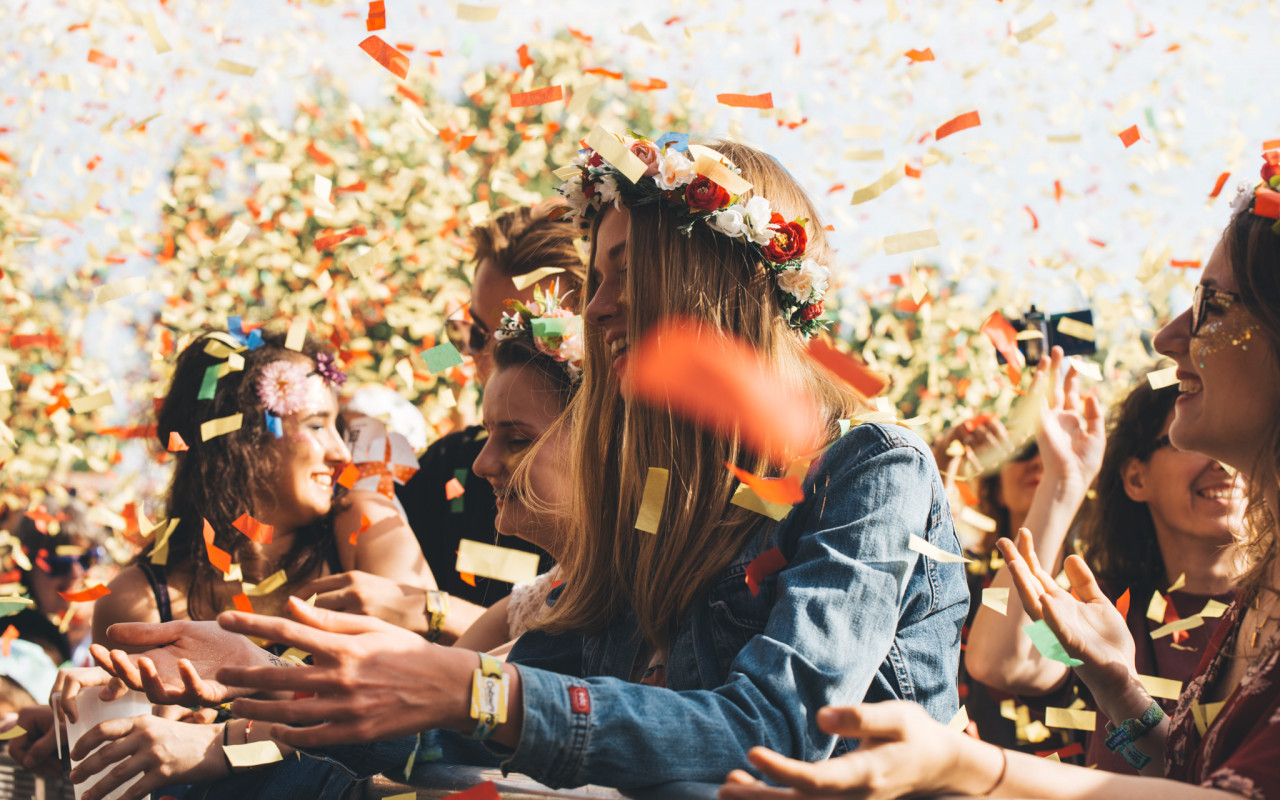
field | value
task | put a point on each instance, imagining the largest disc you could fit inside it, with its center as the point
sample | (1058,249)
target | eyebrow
(617,250)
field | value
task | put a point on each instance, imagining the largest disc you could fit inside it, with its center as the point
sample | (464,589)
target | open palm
(1071,435)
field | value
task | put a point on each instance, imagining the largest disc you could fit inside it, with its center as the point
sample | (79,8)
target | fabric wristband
(489,690)
(437,609)
(1122,739)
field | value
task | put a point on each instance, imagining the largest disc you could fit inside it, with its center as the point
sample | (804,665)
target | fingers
(1082,580)
(1093,416)
(741,777)
(279,679)
(124,668)
(40,750)
(1028,586)
(1027,547)
(205,691)
(130,764)
(329,583)
(846,772)
(322,735)
(145,634)
(107,731)
(887,720)
(1055,371)
(336,622)
(309,711)
(754,791)
(278,629)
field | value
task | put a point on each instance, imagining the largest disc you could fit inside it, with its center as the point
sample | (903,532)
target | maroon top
(1240,751)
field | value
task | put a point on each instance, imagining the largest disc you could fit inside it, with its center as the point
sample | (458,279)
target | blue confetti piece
(274,424)
(679,141)
(255,340)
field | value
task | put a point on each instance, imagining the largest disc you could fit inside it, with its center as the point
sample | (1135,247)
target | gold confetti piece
(996,598)
(477,13)
(934,552)
(743,497)
(891,6)
(157,38)
(528,279)
(1204,714)
(5,385)
(279,172)
(1008,709)
(231,238)
(611,149)
(234,574)
(235,68)
(1213,609)
(60,82)
(1035,732)
(297,335)
(1064,138)
(971,516)
(1077,329)
(1156,608)
(402,796)
(863,131)
(1161,687)
(655,495)
(92,402)
(220,426)
(252,754)
(1088,369)
(711,168)
(640,32)
(874,190)
(864,155)
(1053,757)
(960,721)
(1161,378)
(499,563)
(273,582)
(13,733)
(160,553)
(1178,625)
(1027,34)
(117,289)
(295,654)
(1178,584)
(906,242)
(1073,718)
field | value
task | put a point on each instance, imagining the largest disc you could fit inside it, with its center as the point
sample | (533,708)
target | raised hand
(1071,433)
(356,592)
(164,752)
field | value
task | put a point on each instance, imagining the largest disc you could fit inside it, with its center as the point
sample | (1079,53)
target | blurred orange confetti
(255,530)
(397,63)
(525,59)
(364,526)
(864,380)
(85,596)
(176,444)
(783,491)
(1217,187)
(101,59)
(453,489)
(920,55)
(967,120)
(377,16)
(217,556)
(536,97)
(1129,135)
(746,100)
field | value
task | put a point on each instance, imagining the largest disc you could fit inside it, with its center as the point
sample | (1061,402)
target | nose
(488,464)
(604,304)
(1173,338)
(338,452)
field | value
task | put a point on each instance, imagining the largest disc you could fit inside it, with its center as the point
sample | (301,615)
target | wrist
(1128,700)
(977,768)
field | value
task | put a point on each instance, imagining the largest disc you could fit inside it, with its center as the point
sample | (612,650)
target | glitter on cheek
(1218,335)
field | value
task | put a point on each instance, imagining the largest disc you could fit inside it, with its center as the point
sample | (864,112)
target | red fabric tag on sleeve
(579,700)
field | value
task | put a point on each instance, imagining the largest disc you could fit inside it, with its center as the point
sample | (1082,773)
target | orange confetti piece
(467,578)
(329,239)
(1191,263)
(176,444)
(746,100)
(1005,338)
(1122,605)
(393,60)
(602,71)
(783,491)
(722,384)
(242,603)
(217,556)
(349,475)
(577,34)
(481,791)
(6,640)
(85,596)
(762,566)
(920,55)
(968,119)
(1267,204)
(364,526)
(1129,135)
(453,489)
(101,59)
(1035,221)
(1057,191)
(864,380)
(653,84)
(377,16)
(1217,186)
(536,97)
(1271,144)
(256,531)
(525,59)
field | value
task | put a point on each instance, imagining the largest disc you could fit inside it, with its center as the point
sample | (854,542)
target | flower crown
(707,188)
(1263,200)
(554,330)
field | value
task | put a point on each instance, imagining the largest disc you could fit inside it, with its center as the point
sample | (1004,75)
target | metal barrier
(18,784)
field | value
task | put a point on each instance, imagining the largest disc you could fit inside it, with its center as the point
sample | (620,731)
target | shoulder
(131,600)
(879,443)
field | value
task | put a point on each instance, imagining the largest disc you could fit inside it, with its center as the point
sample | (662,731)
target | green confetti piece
(1047,643)
(209,385)
(441,357)
(455,505)
(555,326)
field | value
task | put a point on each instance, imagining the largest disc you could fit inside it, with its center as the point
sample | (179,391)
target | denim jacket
(855,615)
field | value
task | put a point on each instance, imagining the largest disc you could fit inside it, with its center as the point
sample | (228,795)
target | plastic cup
(94,711)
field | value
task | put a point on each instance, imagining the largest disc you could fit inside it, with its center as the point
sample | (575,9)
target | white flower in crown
(804,281)
(675,170)
(607,191)
(1244,196)
(729,221)
(571,190)
(758,214)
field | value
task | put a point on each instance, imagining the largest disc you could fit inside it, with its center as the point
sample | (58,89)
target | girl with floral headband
(664,656)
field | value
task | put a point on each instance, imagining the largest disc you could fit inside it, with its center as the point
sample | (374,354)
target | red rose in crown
(704,194)
(811,311)
(789,240)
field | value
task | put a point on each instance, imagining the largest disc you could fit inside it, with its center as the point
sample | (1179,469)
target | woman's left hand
(903,752)
(163,751)
(371,680)
(1071,434)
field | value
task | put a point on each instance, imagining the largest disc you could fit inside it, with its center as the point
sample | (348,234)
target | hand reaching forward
(1090,629)
(1071,434)
(179,669)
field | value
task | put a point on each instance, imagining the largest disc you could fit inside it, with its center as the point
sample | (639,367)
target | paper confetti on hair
(236,68)
(711,167)
(929,550)
(87,595)
(779,491)
(498,563)
(967,120)
(1072,718)
(252,754)
(217,556)
(762,566)
(724,385)
(763,101)
(874,190)
(477,13)
(743,497)
(92,402)
(176,444)
(117,289)
(393,60)
(160,550)
(907,242)
(528,279)
(274,581)
(654,496)
(537,97)
(611,149)
(1129,135)
(256,531)
(220,426)
(1027,34)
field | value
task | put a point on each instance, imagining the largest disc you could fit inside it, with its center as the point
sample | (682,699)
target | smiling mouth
(618,347)
(324,479)
(1189,386)
(1214,493)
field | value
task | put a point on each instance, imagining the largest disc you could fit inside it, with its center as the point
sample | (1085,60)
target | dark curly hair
(220,479)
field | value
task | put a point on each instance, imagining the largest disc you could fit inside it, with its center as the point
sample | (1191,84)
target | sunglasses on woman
(469,337)
(62,565)
(1205,296)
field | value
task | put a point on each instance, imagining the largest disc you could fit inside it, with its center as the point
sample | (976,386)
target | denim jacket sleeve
(836,622)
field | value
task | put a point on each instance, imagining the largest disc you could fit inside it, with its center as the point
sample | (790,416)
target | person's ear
(1133,476)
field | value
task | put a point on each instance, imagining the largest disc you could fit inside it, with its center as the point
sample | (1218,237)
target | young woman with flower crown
(1223,739)
(661,659)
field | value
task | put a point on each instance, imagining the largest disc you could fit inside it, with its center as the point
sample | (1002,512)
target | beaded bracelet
(1122,739)
(489,689)
(437,609)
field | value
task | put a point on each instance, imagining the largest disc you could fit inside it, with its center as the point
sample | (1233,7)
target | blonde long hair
(611,566)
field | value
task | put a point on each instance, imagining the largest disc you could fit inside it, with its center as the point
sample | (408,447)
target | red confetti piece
(1217,186)
(242,603)
(86,595)
(322,158)
(864,380)
(408,94)
(377,16)
(6,640)
(101,59)
(349,475)
(481,791)
(968,119)
(329,239)
(1267,204)
(1057,191)
(525,59)
(464,142)
(176,444)
(746,100)
(1122,605)
(654,83)
(1035,221)
(217,556)
(782,491)
(256,531)
(1129,135)
(1073,749)
(364,526)
(1191,263)
(921,55)
(393,60)
(536,97)
(1097,242)
(762,566)
(453,489)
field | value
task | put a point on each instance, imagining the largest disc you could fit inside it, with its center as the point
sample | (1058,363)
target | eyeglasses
(1202,298)
(468,337)
(1028,452)
(62,565)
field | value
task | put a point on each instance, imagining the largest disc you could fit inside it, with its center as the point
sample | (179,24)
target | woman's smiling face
(309,452)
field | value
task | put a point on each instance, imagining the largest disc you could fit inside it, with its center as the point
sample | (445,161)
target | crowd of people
(777,602)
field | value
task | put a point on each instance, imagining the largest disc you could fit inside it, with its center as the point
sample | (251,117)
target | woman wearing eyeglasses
(1224,737)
